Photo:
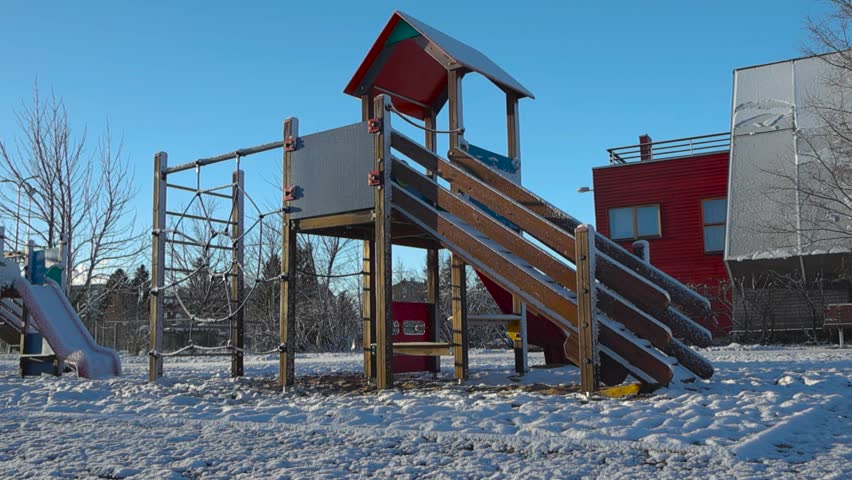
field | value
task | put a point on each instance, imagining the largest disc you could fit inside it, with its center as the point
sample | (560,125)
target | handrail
(242,152)
(680,294)
(668,149)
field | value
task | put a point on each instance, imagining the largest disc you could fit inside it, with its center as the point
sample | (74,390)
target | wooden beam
(158,267)
(423,349)
(626,282)
(458,289)
(547,297)
(586,318)
(382,252)
(287,305)
(433,267)
(238,255)
(364,217)
(454,96)
(638,322)
(680,294)
(368,279)
(368,306)
(458,271)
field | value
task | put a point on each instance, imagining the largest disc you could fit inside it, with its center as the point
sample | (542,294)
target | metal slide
(55,319)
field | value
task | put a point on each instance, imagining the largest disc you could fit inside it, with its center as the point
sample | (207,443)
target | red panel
(408,311)
(678,185)
(411,72)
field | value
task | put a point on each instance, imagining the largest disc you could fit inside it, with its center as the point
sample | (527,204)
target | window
(714,213)
(631,223)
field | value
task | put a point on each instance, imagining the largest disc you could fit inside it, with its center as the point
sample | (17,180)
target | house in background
(673,194)
(789,241)
(753,218)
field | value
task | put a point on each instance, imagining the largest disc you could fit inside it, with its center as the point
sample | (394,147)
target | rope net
(221,249)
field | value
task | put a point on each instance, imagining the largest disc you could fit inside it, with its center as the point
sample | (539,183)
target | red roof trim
(374,52)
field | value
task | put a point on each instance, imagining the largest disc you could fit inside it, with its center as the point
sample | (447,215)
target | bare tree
(81,193)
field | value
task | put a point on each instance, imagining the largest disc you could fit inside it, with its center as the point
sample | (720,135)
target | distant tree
(79,191)
(822,176)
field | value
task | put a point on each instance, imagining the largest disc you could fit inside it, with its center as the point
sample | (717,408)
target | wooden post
(237,291)
(458,274)
(158,268)
(368,279)
(454,99)
(382,251)
(287,305)
(368,306)
(433,278)
(586,299)
(458,288)
(513,144)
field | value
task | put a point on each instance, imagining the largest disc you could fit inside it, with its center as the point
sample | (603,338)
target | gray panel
(330,170)
(763,99)
(815,87)
(762,205)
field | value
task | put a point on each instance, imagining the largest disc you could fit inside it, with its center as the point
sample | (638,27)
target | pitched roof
(409,61)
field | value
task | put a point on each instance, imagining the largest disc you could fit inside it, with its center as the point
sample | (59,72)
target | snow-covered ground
(770,412)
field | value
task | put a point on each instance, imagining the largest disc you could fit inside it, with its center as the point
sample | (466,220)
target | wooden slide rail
(687,299)
(538,290)
(641,286)
(690,301)
(610,303)
(637,321)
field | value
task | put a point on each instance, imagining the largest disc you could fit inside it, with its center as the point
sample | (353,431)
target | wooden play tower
(591,302)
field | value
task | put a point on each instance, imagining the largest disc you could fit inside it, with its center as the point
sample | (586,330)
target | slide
(55,319)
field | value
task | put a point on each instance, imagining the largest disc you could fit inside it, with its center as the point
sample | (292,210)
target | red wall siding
(678,185)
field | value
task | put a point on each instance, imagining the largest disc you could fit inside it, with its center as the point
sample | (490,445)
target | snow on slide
(57,321)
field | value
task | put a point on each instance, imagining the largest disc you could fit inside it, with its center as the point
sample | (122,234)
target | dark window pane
(714,238)
(413,327)
(621,223)
(715,211)
(648,221)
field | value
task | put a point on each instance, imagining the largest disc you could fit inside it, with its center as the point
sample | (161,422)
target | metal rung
(196,217)
(199,355)
(179,270)
(191,244)
(193,190)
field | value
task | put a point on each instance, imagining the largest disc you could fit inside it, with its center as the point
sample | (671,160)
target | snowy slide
(57,321)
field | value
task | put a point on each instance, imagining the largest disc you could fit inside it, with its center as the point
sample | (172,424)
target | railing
(667,149)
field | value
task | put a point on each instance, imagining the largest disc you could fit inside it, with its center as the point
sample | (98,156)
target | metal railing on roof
(681,147)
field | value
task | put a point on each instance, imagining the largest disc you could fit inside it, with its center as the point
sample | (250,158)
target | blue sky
(199,78)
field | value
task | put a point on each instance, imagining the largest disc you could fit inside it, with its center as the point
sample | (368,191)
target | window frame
(704,225)
(634,211)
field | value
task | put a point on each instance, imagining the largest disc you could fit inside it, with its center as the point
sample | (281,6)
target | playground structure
(36,315)
(582,298)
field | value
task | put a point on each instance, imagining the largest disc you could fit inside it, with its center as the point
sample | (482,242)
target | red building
(674,195)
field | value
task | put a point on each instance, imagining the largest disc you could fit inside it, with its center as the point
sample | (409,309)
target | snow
(769,412)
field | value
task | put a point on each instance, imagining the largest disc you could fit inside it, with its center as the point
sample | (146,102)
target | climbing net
(220,252)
